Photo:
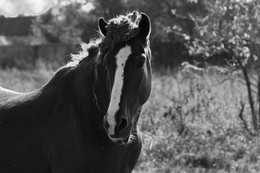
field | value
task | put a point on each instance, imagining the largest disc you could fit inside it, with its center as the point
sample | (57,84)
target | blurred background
(203,114)
(196,31)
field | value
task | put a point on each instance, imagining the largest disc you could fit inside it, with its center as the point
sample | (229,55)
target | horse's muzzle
(121,131)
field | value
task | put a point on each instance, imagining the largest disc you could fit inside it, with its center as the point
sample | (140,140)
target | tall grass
(190,123)
(25,80)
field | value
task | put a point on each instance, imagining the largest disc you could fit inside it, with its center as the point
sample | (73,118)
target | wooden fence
(25,56)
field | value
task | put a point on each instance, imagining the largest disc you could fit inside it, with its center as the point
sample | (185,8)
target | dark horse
(84,119)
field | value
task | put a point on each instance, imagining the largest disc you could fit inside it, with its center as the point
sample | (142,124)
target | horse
(85,118)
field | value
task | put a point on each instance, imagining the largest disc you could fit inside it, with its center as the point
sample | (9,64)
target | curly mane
(119,29)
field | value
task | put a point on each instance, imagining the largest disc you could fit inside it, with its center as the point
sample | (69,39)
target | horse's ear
(145,26)
(102,26)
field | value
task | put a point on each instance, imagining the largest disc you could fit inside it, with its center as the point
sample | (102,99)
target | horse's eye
(140,61)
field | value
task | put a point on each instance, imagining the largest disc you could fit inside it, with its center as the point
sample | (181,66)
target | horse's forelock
(119,29)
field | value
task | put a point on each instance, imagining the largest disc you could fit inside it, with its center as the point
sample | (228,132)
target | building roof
(19,26)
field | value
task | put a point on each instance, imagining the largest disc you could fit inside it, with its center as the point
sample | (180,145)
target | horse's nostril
(122,125)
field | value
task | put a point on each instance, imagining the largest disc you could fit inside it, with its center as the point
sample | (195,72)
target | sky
(14,8)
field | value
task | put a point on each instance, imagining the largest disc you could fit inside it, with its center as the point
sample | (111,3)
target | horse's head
(125,74)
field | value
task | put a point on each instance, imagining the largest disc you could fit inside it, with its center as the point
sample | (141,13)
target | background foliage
(182,30)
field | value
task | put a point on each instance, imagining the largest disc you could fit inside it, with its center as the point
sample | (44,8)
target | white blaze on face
(113,107)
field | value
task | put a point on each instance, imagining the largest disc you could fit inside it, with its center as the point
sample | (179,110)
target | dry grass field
(190,124)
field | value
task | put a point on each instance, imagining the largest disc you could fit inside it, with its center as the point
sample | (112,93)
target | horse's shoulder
(13,104)
(6,94)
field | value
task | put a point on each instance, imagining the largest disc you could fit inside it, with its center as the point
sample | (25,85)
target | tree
(232,26)
(65,22)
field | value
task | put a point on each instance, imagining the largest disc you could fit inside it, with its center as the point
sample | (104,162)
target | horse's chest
(96,160)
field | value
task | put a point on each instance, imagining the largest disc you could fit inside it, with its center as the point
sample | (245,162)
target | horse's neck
(66,102)
(84,103)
